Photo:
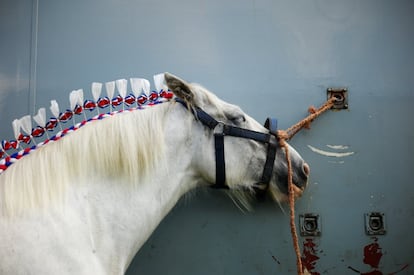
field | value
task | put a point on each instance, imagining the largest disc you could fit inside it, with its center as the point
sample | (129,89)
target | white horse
(86,203)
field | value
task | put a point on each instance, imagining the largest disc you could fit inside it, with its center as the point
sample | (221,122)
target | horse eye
(238,119)
(236,115)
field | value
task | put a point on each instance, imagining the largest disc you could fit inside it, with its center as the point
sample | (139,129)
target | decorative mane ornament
(140,98)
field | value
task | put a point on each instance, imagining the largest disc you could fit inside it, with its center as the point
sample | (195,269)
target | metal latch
(341,96)
(375,223)
(310,224)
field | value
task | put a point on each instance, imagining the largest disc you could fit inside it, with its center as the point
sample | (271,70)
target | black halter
(221,130)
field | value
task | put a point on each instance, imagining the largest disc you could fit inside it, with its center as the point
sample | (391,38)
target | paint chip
(330,153)
(337,147)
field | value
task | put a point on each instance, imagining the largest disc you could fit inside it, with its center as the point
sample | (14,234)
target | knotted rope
(283,136)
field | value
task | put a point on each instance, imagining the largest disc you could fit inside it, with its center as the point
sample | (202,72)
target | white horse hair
(86,203)
(125,155)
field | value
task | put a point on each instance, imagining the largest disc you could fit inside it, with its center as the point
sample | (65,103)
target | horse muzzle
(299,179)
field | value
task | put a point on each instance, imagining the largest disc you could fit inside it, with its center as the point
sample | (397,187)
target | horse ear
(180,88)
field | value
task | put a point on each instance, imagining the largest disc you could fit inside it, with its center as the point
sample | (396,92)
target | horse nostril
(306,169)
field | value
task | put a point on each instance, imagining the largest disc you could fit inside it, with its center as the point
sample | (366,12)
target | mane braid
(142,102)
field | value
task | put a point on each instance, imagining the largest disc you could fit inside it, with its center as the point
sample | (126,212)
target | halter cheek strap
(221,130)
(271,125)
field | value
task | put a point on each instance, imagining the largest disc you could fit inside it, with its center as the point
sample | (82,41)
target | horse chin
(281,197)
(298,192)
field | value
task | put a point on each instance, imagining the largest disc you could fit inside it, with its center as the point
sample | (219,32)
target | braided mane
(122,143)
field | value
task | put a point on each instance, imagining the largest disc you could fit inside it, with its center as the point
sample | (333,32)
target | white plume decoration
(136,86)
(26,124)
(76,98)
(159,82)
(54,108)
(40,118)
(96,90)
(73,99)
(16,128)
(139,86)
(122,86)
(110,89)
(146,86)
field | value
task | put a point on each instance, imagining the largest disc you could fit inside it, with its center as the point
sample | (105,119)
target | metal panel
(271,58)
(15,62)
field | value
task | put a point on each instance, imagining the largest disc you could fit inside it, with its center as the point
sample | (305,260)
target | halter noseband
(221,130)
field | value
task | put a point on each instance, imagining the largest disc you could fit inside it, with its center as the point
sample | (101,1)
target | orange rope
(284,135)
(291,131)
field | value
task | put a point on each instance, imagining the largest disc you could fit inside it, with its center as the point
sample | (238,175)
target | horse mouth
(297,191)
(280,191)
(299,187)
(283,196)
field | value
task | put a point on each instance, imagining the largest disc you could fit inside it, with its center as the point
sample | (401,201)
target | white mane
(126,146)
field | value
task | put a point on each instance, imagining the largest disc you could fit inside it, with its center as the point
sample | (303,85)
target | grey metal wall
(271,58)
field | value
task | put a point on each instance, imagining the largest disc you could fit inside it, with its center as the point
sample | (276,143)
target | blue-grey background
(273,58)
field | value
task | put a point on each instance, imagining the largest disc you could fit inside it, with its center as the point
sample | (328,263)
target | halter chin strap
(221,130)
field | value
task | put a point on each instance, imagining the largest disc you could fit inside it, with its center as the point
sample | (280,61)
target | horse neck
(120,220)
(121,217)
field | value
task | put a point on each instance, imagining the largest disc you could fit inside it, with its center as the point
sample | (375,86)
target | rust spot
(310,257)
(372,257)
(372,254)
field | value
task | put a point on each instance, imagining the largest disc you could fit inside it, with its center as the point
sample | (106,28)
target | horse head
(233,150)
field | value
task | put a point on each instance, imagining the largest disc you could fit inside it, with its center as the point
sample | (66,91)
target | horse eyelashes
(238,119)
